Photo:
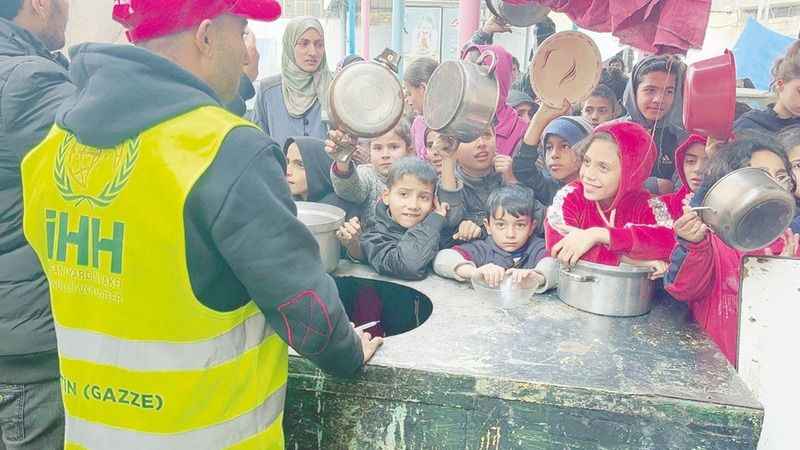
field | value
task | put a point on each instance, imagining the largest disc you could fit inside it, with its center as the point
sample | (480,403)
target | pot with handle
(747,209)
(461,99)
(366,98)
(619,291)
(323,221)
(521,16)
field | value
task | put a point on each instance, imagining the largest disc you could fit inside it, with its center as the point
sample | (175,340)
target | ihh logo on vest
(95,177)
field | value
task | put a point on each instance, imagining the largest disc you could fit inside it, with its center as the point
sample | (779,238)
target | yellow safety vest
(144,365)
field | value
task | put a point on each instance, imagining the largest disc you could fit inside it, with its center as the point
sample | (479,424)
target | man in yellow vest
(178,270)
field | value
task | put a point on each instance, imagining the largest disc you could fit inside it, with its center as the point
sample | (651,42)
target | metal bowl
(507,296)
(323,221)
(521,16)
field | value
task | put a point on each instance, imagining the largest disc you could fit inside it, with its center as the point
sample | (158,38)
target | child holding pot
(704,270)
(790,138)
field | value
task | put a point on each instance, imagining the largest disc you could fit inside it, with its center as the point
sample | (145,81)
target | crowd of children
(541,187)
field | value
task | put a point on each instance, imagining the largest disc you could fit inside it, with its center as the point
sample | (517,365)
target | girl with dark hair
(415,83)
(786,84)
(705,271)
(654,100)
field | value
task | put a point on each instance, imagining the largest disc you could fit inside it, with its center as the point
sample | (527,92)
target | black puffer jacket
(33,84)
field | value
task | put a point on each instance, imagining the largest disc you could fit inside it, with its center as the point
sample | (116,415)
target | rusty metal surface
(662,354)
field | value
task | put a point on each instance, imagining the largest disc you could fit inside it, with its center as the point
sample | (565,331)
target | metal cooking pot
(619,291)
(747,209)
(461,99)
(323,221)
(521,16)
(366,98)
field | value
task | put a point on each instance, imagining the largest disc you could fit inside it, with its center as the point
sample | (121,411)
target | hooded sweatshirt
(707,275)
(242,238)
(317,164)
(639,227)
(571,129)
(508,126)
(764,120)
(33,83)
(668,132)
(675,201)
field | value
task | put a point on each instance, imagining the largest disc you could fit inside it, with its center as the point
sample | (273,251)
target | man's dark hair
(617,59)
(420,71)
(605,92)
(515,61)
(515,200)
(411,165)
(10,8)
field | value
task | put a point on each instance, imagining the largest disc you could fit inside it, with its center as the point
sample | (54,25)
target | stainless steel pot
(461,99)
(619,291)
(366,98)
(748,209)
(521,16)
(323,221)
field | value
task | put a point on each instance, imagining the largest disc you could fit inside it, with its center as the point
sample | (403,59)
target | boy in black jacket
(511,249)
(405,237)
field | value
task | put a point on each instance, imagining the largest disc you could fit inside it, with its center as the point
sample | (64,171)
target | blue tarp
(756,50)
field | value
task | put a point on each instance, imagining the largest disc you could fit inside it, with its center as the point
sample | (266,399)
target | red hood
(637,154)
(680,155)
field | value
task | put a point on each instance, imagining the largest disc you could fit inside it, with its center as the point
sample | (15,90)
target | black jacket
(528,173)
(487,252)
(243,240)
(33,83)
(399,252)
(764,120)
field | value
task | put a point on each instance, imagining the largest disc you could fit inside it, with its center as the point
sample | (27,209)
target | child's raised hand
(445,146)
(526,278)
(467,231)
(492,274)
(502,164)
(349,231)
(689,227)
(440,208)
(340,146)
(791,241)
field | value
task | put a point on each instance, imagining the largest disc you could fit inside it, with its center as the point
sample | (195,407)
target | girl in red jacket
(705,271)
(607,215)
(691,161)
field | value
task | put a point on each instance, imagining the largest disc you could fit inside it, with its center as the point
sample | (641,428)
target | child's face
(773,165)
(433,156)
(477,157)
(508,232)
(794,158)
(562,162)
(694,166)
(385,150)
(600,172)
(597,110)
(789,95)
(656,94)
(409,200)
(296,172)
(415,96)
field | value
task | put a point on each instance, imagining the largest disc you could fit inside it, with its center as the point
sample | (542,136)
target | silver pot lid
(367,99)
(521,16)
(622,270)
(444,95)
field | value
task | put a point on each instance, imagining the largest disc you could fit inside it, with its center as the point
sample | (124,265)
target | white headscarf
(300,88)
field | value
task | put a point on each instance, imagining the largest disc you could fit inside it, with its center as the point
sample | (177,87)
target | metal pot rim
(334,213)
(624,270)
(369,133)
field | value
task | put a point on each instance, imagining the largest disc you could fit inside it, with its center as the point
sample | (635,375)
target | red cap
(149,19)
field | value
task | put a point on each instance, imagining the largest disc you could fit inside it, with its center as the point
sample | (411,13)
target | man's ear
(203,36)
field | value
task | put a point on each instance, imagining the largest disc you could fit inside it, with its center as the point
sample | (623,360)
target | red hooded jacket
(675,201)
(642,227)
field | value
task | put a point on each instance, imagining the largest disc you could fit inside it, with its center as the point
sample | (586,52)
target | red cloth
(707,277)
(675,201)
(368,307)
(509,127)
(655,26)
(641,229)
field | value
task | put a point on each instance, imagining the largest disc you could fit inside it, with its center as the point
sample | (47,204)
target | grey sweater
(363,186)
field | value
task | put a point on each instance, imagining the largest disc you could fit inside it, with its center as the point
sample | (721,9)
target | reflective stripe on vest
(144,363)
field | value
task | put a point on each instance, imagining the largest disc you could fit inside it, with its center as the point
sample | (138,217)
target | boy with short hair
(602,106)
(408,221)
(511,249)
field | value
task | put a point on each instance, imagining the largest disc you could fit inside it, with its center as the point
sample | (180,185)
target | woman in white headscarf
(294,103)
